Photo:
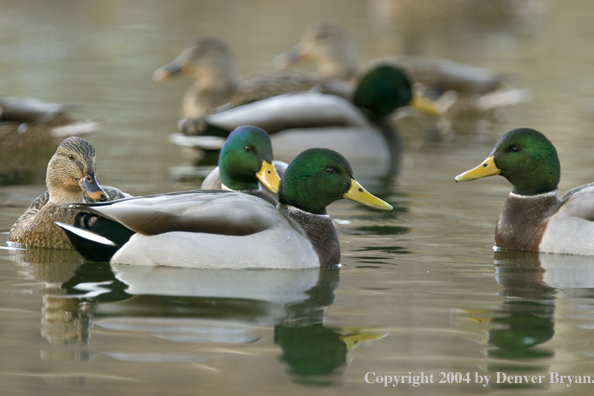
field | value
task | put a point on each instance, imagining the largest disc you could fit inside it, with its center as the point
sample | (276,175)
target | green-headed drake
(30,122)
(70,179)
(359,128)
(227,229)
(332,49)
(211,63)
(246,164)
(533,217)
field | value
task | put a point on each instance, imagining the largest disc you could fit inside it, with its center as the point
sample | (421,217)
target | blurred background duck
(211,63)
(227,229)
(70,179)
(246,164)
(29,122)
(360,128)
(462,88)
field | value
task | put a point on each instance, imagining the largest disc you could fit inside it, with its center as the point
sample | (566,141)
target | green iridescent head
(383,90)
(246,159)
(317,177)
(526,158)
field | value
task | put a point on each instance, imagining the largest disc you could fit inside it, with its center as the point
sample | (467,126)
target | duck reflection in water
(528,311)
(69,287)
(517,334)
(191,306)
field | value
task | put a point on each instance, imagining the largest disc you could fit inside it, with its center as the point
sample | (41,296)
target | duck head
(71,173)
(330,47)
(526,158)
(208,60)
(317,177)
(385,88)
(246,158)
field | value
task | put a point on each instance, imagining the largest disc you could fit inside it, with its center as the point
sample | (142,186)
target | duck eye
(514,149)
(70,156)
(247,148)
(330,170)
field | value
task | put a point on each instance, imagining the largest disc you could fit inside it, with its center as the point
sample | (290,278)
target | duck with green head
(359,128)
(70,179)
(533,217)
(246,164)
(332,50)
(227,229)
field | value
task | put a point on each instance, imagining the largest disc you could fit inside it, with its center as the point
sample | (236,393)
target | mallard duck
(329,47)
(332,49)
(360,127)
(29,122)
(70,178)
(533,217)
(246,165)
(227,229)
(210,62)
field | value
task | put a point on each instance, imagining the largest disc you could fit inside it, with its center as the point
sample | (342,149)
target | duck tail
(96,238)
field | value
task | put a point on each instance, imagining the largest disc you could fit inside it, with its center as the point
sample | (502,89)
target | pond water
(420,290)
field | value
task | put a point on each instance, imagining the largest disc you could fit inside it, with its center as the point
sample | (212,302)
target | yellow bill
(354,339)
(358,194)
(426,106)
(268,176)
(487,168)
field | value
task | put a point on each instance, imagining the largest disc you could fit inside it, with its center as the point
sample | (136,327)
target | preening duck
(207,229)
(533,217)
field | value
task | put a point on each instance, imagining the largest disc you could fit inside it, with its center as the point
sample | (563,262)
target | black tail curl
(93,250)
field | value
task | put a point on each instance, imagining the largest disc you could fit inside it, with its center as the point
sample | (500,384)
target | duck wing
(225,213)
(579,202)
(447,75)
(276,114)
(570,230)
(262,85)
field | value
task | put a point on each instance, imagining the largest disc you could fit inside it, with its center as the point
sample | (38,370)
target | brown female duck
(29,122)
(70,178)
(331,48)
(211,63)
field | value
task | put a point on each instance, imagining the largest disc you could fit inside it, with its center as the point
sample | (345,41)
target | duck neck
(213,91)
(318,229)
(391,136)
(245,188)
(66,197)
(523,220)
(342,70)
(62,191)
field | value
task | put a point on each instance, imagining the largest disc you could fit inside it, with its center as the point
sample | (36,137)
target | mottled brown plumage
(29,122)
(471,89)
(70,177)
(210,62)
